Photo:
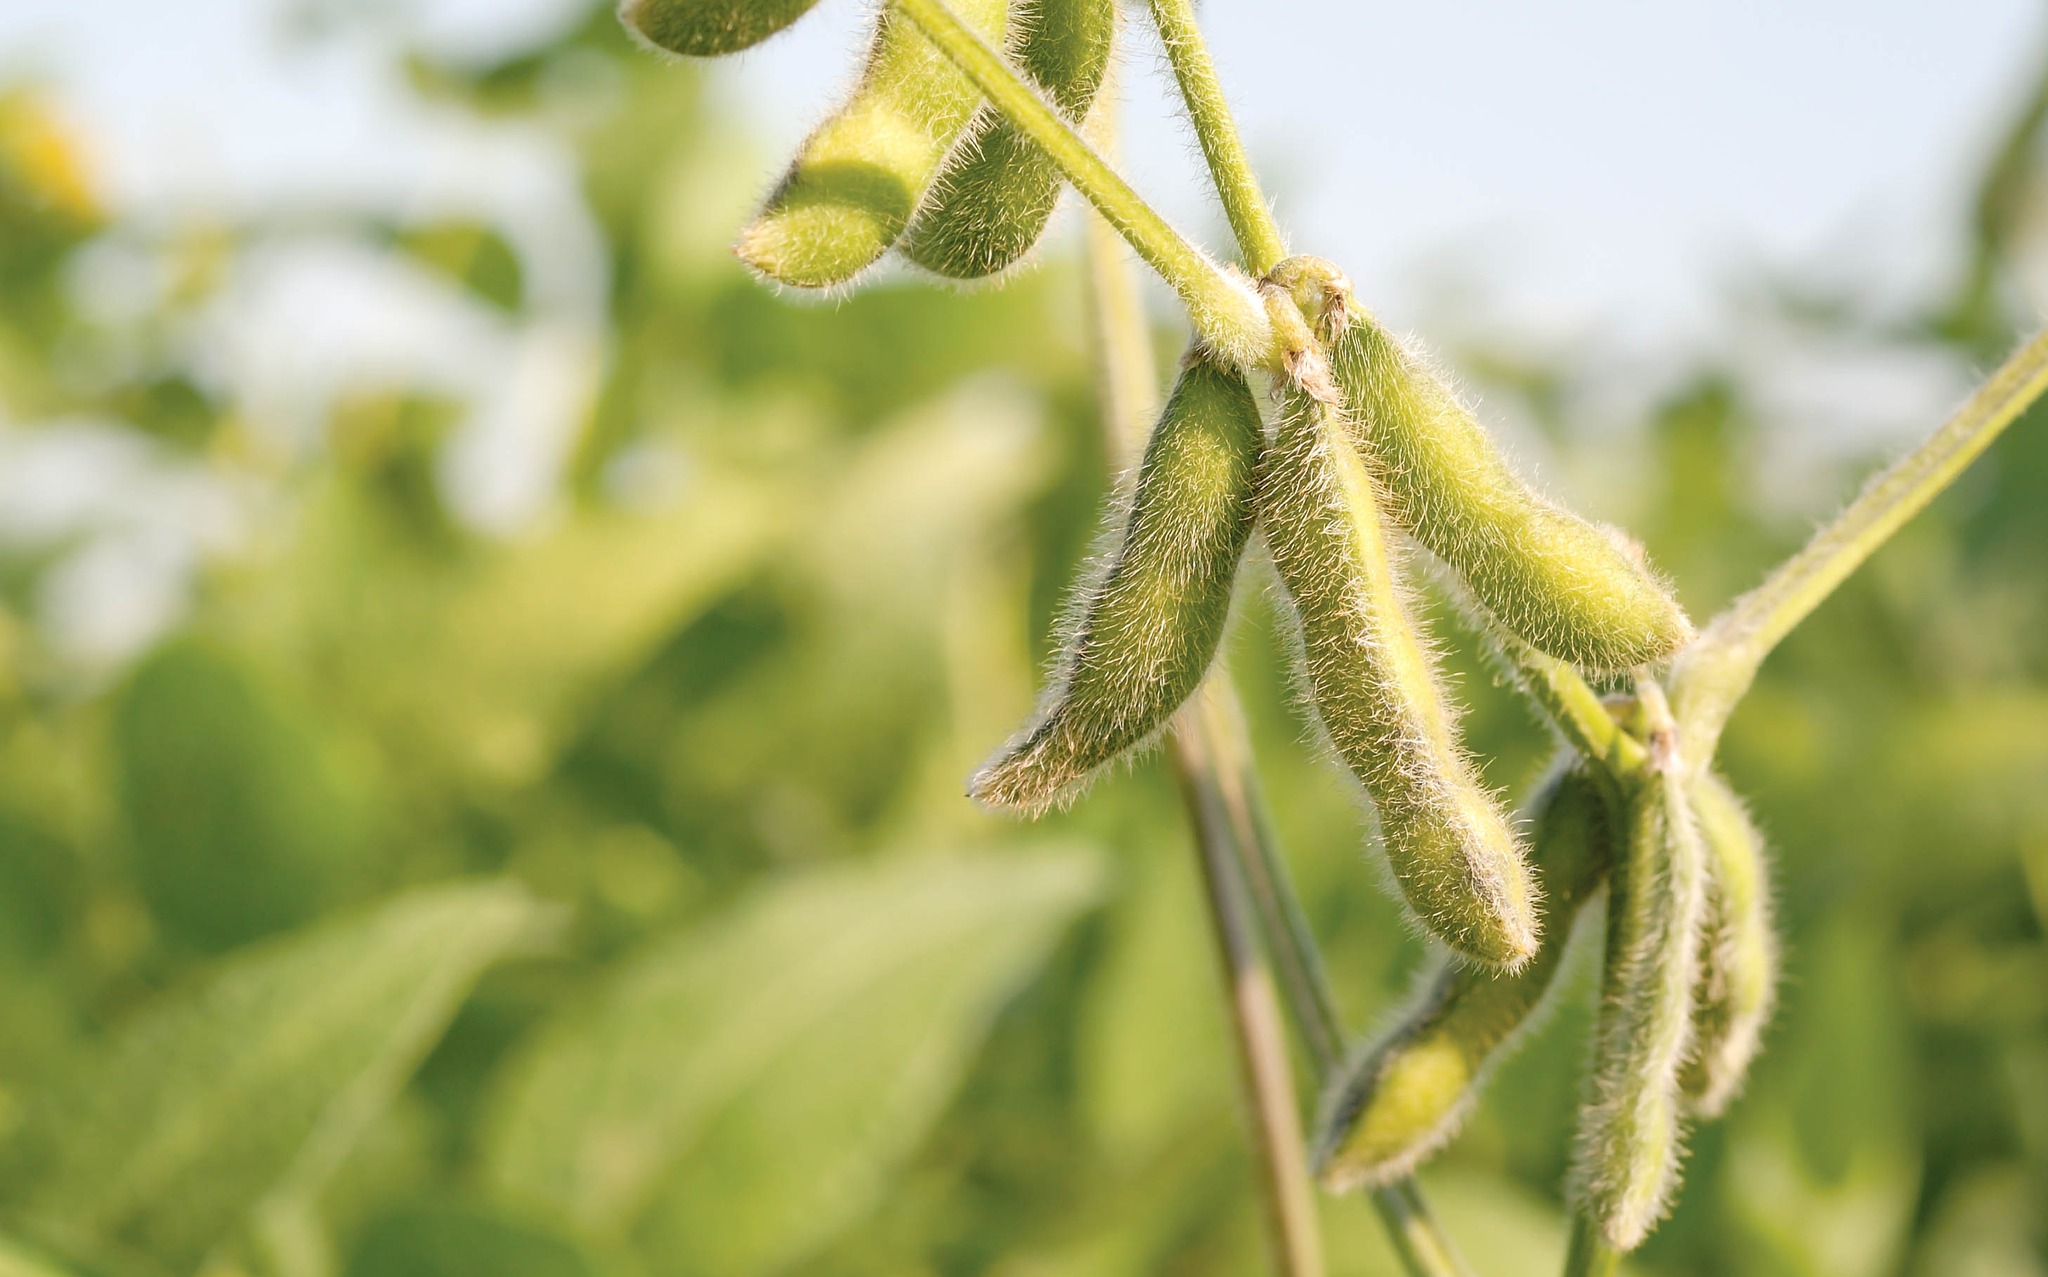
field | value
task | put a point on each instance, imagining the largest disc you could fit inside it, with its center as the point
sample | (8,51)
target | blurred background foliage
(592,894)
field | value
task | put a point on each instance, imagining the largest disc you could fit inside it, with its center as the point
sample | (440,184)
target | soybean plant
(1298,416)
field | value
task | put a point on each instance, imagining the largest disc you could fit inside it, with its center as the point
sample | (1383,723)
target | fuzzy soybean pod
(1625,1160)
(1567,587)
(1374,686)
(1409,1091)
(1739,951)
(998,189)
(708,28)
(863,172)
(1143,631)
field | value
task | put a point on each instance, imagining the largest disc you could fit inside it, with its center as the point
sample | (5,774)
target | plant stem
(1299,963)
(1261,1043)
(1258,237)
(1572,706)
(1225,310)
(1418,1242)
(1717,669)
(1590,1256)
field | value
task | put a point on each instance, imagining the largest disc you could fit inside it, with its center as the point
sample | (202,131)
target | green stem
(1712,674)
(1261,1042)
(1226,311)
(1589,1256)
(1572,706)
(1251,220)
(1421,1245)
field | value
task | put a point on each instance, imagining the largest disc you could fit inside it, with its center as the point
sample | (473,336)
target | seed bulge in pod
(1582,593)
(861,174)
(1373,683)
(708,28)
(998,188)
(1409,1091)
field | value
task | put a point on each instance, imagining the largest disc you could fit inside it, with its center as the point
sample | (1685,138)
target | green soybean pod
(1144,629)
(1626,1156)
(1567,587)
(997,191)
(1739,953)
(1408,1092)
(1374,686)
(708,28)
(861,174)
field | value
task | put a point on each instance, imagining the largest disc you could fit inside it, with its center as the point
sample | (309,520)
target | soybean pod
(862,173)
(709,28)
(1739,950)
(998,188)
(1625,1160)
(1410,1090)
(1565,586)
(1374,686)
(1143,632)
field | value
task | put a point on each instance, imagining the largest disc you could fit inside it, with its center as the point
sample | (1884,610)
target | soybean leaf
(258,1080)
(739,1093)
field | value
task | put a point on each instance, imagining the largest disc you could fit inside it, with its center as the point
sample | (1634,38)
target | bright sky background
(1600,162)
(1587,174)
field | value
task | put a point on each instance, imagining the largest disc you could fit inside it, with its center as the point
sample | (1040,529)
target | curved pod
(862,173)
(1567,587)
(1739,951)
(998,189)
(1375,689)
(1626,1155)
(1407,1094)
(1144,630)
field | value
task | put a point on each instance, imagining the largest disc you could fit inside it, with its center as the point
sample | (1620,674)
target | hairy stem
(1258,237)
(1261,1042)
(1717,669)
(1573,707)
(1225,310)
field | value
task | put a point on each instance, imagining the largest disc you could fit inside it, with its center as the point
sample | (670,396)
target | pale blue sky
(1598,162)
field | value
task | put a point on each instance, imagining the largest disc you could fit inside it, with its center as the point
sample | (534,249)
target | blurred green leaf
(739,1093)
(258,1079)
(15,1261)
(241,818)
(459,1239)
(471,255)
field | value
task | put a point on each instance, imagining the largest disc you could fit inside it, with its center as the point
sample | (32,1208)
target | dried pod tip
(708,28)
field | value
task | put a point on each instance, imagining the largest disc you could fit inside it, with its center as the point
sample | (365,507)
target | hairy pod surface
(1567,587)
(1739,950)
(1143,632)
(862,173)
(997,191)
(709,28)
(1375,689)
(1409,1091)
(1625,1161)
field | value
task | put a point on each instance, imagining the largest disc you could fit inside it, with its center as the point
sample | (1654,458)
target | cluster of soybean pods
(1363,450)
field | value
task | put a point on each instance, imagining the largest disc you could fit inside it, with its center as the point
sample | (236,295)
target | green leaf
(457,1239)
(741,1092)
(240,818)
(257,1080)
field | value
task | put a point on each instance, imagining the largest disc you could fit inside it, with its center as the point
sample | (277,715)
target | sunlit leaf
(740,1092)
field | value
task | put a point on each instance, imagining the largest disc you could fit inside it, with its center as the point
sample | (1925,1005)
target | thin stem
(1716,670)
(1589,1255)
(1226,311)
(1261,1042)
(1251,220)
(1418,1241)
(1572,706)
(1299,963)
